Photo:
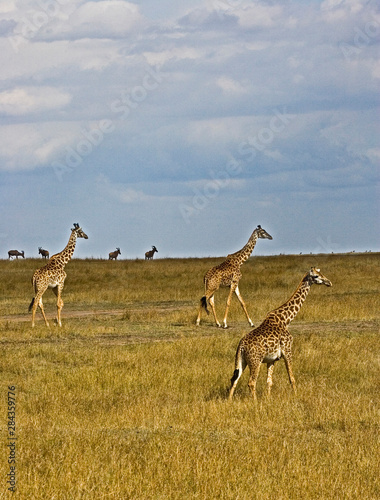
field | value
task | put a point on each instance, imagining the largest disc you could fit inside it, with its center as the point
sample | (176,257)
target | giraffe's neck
(66,254)
(242,255)
(289,310)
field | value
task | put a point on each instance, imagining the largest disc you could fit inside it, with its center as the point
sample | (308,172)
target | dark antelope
(113,255)
(149,255)
(15,253)
(44,253)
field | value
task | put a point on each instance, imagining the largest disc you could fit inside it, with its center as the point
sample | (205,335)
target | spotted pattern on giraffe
(228,274)
(272,340)
(53,276)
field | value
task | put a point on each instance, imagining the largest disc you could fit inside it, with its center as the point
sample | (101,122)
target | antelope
(113,255)
(44,253)
(16,253)
(149,255)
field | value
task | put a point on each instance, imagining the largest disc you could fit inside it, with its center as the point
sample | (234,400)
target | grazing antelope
(44,253)
(149,255)
(113,255)
(227,274)
(15,253)
(272,340)
(53,275)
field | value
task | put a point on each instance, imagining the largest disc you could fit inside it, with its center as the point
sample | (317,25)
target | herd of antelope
(111,256)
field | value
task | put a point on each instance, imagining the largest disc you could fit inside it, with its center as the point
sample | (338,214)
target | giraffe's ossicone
(53,276)
(272,340)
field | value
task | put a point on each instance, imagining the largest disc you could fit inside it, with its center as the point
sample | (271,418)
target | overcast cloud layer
(184,127)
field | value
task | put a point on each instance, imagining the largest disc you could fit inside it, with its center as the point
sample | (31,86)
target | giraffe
(53,275)
(272,340)
(227,274)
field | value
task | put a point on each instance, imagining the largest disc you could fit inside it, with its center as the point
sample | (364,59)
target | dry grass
(132,404)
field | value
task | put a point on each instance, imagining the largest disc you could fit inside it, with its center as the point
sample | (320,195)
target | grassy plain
(128,399)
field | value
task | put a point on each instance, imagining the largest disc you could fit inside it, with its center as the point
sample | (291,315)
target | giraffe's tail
(204,304)
(240,365)
(31,305)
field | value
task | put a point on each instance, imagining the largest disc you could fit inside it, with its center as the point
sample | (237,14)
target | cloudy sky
(186,126)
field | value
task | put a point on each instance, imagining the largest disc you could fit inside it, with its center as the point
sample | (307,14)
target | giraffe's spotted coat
(53,275)
(272,340)
(228,274)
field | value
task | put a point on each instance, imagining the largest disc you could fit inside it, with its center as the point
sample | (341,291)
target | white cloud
(29,145)
(24,100)
(104,19)
(259,15)
(174,54)
(229,85)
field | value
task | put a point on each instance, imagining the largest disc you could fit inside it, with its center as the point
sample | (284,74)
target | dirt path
(67,314)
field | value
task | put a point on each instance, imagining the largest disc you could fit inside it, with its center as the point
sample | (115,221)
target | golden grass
(132,404)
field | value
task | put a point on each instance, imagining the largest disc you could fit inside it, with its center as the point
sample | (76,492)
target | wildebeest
(44,253)
(113,255)
(16,253)
(149,255)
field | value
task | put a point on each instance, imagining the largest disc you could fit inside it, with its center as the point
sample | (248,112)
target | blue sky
(185,127)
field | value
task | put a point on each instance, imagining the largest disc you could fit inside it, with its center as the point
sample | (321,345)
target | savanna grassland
(128,399)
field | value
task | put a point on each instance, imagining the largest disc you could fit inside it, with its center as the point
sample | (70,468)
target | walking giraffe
(227,274)
(53,275)
(272,340)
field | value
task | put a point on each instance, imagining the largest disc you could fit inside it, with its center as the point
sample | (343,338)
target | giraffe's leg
(43,312)
(270,368)
(237,291)
(58,291)
(212,304)
(253,379)
(39,290)
(287,358)
(199,315)
(202,305)
(232,289)
(38,303)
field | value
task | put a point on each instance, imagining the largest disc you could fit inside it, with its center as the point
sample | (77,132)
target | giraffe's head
(261,233)
(79,231)
(315,277)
